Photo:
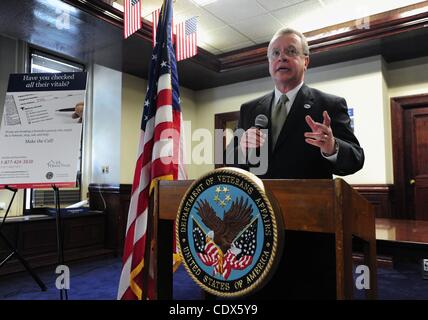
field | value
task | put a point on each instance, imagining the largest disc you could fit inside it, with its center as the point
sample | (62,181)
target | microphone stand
(63,293)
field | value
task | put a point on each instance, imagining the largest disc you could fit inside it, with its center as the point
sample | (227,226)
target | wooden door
(416,160)
(227,122)
(409,120)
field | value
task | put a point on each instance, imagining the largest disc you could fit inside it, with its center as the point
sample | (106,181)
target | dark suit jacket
(292,157)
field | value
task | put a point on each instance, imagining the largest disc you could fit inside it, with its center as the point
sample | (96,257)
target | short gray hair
(284,31)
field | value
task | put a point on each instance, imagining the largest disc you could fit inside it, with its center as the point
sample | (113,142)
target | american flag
(241,255)
(205,247)
(160,156)
(247,240)
(186,45)
(199,237)
(155,19)
(210,254)
(132,17)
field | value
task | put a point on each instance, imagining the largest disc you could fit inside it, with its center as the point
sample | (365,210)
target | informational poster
(41,130)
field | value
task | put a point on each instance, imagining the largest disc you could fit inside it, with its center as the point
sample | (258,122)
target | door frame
(398,105)
(220,120)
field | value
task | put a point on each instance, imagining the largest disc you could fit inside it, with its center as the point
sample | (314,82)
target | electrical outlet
(105,169)
(425,269)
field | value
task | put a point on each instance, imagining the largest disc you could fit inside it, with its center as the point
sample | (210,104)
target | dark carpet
(98,280)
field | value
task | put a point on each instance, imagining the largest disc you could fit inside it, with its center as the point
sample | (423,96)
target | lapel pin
(307,106)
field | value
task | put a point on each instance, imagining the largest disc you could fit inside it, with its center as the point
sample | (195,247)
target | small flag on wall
(186,42)
(132,17)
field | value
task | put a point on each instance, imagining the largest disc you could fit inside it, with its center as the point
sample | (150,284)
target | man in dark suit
(309,137)
(309,134)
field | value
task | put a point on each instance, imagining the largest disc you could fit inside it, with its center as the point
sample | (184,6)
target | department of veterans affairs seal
(229,236)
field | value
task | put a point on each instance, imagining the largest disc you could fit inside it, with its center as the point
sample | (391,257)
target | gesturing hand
(321,135)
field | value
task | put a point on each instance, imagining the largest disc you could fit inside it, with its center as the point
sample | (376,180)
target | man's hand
(321,135)
(252,138)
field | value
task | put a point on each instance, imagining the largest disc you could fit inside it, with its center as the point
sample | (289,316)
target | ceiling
(227,25)
(91,31)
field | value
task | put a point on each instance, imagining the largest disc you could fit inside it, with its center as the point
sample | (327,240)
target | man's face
(287,63)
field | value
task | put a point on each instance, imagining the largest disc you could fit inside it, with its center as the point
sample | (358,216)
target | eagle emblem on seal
(226,244)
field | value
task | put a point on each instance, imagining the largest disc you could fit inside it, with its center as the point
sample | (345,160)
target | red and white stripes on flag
(186,41)
(155,19)
(132,17)
(210,255)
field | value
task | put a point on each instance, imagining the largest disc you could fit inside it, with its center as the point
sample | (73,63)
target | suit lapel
(263,106)
(298,110)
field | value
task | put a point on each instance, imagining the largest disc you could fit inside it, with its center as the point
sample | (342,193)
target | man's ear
(306,62)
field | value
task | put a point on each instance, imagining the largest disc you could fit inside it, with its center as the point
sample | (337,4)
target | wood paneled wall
(114,200)
(36,240)
(380,196)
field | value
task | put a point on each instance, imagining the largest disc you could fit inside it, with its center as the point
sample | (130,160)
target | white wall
(106,124)
(133,91)
(408,77)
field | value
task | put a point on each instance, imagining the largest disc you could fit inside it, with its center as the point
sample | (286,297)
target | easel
(59,238)
(13,250)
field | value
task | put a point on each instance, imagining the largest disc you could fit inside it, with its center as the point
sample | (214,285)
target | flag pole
(149,251)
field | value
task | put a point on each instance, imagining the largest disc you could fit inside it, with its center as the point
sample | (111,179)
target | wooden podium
(324,206)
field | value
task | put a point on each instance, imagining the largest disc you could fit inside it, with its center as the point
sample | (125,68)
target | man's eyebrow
(289,46)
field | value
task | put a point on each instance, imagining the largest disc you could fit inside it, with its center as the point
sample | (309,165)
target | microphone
(261,121)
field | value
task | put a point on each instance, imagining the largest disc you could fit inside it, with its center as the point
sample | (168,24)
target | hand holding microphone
(253,138)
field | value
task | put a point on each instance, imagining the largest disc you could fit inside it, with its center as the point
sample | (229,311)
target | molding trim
(380,26)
